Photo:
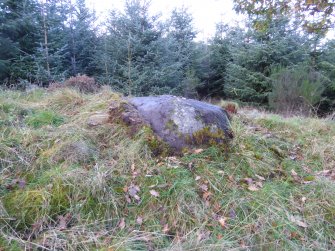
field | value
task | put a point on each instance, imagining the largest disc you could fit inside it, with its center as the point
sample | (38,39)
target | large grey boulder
(178,121)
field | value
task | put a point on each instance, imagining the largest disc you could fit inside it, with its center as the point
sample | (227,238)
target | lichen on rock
(186,118)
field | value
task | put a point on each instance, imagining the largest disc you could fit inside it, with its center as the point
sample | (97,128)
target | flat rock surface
(176,120)
(98,119)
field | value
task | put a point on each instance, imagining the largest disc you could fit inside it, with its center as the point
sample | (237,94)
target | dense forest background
(277,62)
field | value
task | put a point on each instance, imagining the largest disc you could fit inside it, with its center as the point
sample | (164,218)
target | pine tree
(80,38)
(255,54)
(133,49)
(50,58)
(213,70)
(181,52)
(17,39)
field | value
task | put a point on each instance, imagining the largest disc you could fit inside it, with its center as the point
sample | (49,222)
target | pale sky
(206,13)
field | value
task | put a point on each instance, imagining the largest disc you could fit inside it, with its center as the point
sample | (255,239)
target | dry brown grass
(76,187)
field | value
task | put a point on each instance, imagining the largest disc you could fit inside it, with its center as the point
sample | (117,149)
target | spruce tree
(133,49)
(17,39)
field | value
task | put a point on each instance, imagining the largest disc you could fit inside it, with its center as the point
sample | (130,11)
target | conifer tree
(17,39)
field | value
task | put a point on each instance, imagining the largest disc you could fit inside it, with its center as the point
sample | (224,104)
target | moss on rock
(157,146)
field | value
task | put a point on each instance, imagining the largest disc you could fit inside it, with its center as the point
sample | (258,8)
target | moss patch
(171,125)
(27,207)
(157,146)
(206,136)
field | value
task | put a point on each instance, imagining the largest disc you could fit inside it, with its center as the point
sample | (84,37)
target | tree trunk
(46,49)
(130,82)
(73,56)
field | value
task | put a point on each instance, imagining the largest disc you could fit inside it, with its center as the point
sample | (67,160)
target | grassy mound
(67,186)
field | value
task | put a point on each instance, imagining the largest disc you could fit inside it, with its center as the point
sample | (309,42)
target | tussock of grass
(67,186)
(66,100)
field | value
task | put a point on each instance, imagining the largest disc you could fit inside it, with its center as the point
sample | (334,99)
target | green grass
(43,118)
(67,186)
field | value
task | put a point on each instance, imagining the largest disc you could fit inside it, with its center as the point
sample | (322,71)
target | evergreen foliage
(322,12)
(133,49)
(139,53)
(17,39)
(298,89)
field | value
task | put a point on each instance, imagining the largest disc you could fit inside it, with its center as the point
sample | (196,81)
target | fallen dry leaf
(324,172)
(260,177)
(63,221)
(204,187)
(37,226)
(232,214)
(132,191)
(294,235)
(222,221)
(139,220)
(62,225)
(216,207)
(295,176)
(160,164)
(293,157)
(154,193)
(259,184)
(190,166)
(303,199)
(135,174)
(294,173)
(297,221)
(197,178)
(128,198)
(203,235)
(249,181)
(301,224)
(306,169)
(21,183)
(166,228)
(173,162)
(253,188)
(242,244)
(197,151)
(206,195)
(122,223)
